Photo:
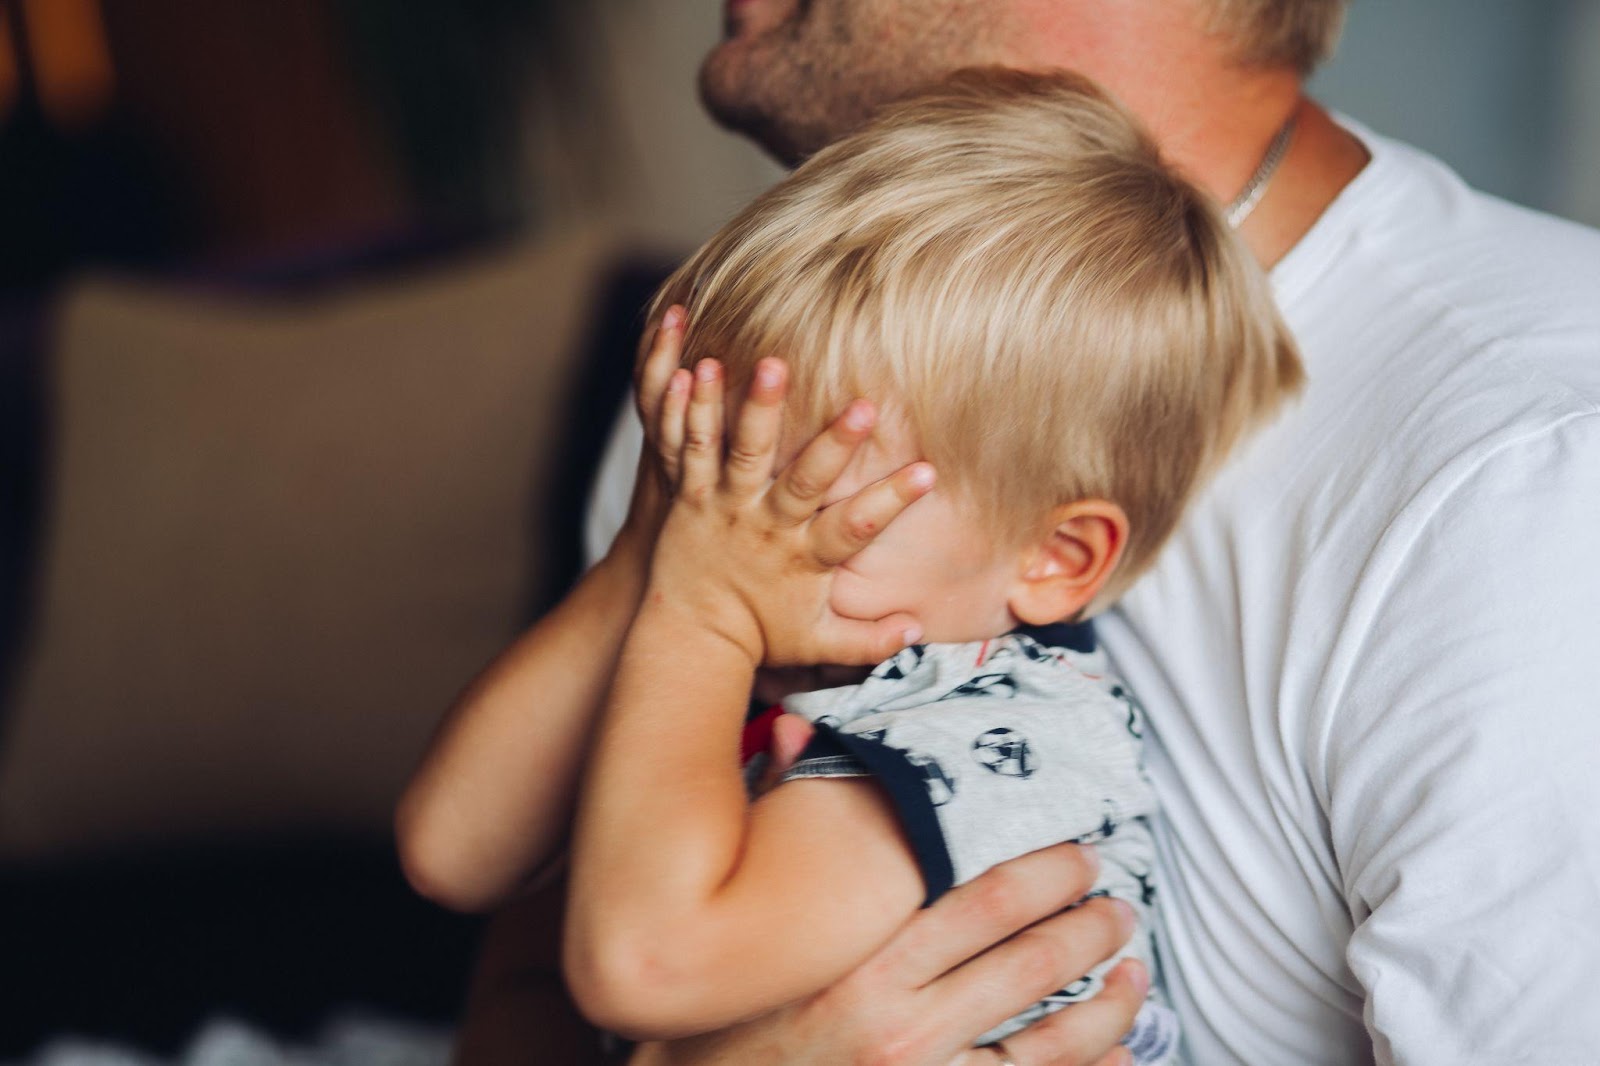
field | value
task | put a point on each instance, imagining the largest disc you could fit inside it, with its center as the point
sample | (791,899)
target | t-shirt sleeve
(979,780)
(613,485)
(1463,774)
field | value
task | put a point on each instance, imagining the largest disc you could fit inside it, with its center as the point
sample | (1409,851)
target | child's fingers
(849,642)
(850,525)
(800,489)
(670,428)
(702,440)
(753,450)
(655,369)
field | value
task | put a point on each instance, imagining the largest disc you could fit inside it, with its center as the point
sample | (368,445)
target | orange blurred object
(72,66)
(10,75)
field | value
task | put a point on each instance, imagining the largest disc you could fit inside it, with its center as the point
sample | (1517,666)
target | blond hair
(1005,260)
(1298,34)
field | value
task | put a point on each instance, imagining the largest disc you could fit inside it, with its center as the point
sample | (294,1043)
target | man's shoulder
(1411,241)
(1417,197)
(1454,307)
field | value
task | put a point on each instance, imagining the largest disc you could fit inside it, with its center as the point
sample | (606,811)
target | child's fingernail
(921,476)
(859,416)
(767,375)
(912,635)
(706,370)
(673,318)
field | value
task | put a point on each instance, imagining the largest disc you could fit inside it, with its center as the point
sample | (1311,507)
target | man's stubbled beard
(824,70)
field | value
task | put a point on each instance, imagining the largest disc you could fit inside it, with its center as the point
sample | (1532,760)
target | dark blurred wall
(233,131)
(76,183)
(463,89)
(251,106)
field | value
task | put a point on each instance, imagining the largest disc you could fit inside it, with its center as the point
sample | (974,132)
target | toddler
(1059,332)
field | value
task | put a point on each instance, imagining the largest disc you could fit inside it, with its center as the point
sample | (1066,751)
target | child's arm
(690,908)
(494,794)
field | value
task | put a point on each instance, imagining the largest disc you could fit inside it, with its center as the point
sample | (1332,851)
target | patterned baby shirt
(994,749)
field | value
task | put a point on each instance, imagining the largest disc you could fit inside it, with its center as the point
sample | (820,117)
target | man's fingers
(752,451)
(801,487)
(850,525)
(1117,1056)
(1041,959)
(702,440)
(656,367)
(1088,1032)
(988,909)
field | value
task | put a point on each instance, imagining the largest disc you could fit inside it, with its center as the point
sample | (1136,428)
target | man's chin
(728,98)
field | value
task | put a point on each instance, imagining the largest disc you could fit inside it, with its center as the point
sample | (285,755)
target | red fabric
(757,736)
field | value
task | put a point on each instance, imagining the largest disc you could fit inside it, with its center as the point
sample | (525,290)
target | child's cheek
(855,596)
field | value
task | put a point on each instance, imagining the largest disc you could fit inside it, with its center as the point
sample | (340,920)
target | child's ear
(1064,570)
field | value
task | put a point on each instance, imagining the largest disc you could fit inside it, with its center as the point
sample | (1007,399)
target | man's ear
(1064,570)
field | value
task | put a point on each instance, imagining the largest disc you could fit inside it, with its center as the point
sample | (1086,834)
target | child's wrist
(629,554)
(702,624)
(621,576)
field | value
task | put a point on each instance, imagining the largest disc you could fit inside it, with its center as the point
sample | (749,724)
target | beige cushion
(283,534)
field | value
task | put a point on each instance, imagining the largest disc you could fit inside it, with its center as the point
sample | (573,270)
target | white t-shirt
(1371,656)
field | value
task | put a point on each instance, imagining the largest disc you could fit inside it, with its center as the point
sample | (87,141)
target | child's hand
(655,481)
(651,377)
(752,557)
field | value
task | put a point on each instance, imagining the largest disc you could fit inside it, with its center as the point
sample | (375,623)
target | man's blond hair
(1005,262)
(1298,34)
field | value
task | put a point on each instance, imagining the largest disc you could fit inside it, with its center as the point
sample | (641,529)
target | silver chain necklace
(1256,187)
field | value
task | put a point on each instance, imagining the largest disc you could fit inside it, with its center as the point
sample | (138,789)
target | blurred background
(313,314)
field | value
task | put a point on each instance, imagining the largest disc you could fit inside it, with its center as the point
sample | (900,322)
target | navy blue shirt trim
(908,792)
(1074,636)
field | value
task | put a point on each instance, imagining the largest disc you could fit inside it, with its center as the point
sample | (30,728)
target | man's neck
(1213,119)
(1323,158)
(1221,139)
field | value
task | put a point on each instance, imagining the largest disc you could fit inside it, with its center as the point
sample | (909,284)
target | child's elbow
(435,866)
(638,990)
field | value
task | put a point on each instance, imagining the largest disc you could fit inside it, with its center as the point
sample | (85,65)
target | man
(1368,658)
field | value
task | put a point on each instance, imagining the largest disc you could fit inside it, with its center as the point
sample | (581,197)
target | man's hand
(983,952)
(750,552)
